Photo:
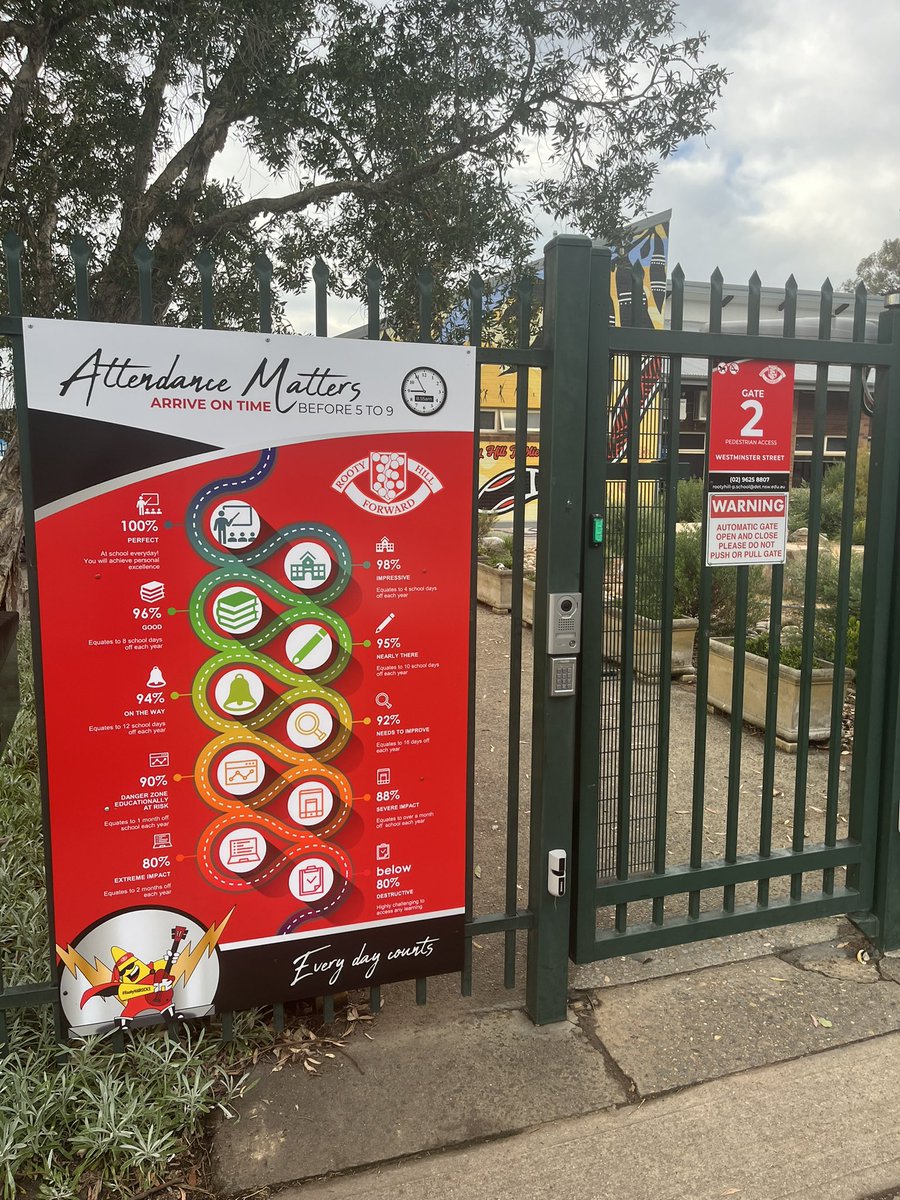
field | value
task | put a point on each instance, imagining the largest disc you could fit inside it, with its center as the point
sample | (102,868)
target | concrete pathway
(756,1067)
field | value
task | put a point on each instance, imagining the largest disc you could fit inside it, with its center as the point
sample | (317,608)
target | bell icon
(155,680)
(239,695)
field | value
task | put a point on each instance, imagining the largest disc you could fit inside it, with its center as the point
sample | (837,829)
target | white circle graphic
(239,692)
(242,850)
(237,610)
(311,879)
(234,524)
(311,803)
(240,772)
(308,566)
(309,646)
(310,725)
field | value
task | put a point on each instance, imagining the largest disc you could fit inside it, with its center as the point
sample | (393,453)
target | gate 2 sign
(253,569)
(751,414)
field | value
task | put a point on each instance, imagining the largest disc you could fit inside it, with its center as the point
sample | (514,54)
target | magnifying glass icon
(309,725)
(383,700)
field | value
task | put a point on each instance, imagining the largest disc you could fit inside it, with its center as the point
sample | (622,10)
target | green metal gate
(673,842)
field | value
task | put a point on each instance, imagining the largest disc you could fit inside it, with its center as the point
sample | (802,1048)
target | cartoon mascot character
(141,987)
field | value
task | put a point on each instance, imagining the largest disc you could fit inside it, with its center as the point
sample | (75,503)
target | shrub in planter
(688,561)
(753,701)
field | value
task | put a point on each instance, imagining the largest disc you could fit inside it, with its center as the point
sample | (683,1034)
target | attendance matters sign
(253,562)
(751,415)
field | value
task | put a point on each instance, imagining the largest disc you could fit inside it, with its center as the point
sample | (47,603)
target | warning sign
(749,463)
(746,528)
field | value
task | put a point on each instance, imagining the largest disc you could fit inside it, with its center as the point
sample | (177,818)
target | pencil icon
(384,624)
(308,647)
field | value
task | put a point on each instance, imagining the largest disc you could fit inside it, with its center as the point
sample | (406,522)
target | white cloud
(801,174)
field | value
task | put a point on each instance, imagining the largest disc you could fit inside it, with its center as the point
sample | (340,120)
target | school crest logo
(387,483)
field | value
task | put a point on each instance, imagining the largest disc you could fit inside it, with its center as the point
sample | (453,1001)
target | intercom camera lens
(566,606)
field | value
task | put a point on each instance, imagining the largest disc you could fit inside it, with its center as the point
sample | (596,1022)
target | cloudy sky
(802,172)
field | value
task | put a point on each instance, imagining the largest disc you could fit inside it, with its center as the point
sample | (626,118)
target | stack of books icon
(152,591)
(237,611)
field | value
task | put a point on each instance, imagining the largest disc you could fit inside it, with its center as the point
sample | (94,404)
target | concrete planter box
(528,601)
(647,637)
(494,587)
(787,718)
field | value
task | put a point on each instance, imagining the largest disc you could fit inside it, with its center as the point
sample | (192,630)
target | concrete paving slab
(682,1030)
(837,960)
(802,1130)
(737,946)
(408,1090)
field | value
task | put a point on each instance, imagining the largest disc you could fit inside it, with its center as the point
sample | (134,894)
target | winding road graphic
(304,852)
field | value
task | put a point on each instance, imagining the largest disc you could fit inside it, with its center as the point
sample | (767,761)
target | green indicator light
(596,531)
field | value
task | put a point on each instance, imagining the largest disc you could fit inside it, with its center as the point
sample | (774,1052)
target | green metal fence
(500,868)
(657,865)
(646,870)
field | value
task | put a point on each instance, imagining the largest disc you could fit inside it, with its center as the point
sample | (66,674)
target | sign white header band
(238,390)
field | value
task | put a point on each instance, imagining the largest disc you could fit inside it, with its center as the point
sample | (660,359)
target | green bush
(790,650)
(689,500)
(688,560)
(826,607)
(832,501)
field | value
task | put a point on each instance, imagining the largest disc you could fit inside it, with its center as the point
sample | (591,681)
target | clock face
(424,391)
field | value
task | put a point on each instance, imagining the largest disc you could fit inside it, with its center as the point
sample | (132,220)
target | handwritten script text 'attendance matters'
(122,374)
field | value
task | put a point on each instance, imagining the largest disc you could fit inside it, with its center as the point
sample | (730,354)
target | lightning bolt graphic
(95,974)
(191,956)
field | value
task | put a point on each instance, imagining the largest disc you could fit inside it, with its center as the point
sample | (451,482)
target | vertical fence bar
(12,246)
(703,634)
(842,607)
(661,818)
(810,597)
(205,263)
(80,250)
(264,274)
(524,296)
(567,276)
(320,274)
(629,601)
(143,257)
(373,303)
(742,587)
(476,314)
(875,784)
(789,326)
(595,543)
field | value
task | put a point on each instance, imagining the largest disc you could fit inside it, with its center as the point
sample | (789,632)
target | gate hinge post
(876,794)
(567,267)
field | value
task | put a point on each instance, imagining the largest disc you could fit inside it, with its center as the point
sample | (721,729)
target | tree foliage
(880,270)
(401,131)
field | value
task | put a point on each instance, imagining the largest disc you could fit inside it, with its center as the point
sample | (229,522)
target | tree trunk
(13,573)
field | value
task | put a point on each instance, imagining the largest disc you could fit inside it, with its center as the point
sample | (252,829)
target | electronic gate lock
(564,623)
(556,872)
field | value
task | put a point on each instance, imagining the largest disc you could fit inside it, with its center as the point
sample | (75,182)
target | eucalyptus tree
(400,131)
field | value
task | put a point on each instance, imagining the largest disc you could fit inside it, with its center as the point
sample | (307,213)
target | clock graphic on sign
(424,391)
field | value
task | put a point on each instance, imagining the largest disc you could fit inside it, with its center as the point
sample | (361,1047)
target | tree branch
(148,130)
(23,89)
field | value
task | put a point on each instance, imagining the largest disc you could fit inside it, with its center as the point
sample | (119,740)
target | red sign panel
(751,417)
(255,663)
